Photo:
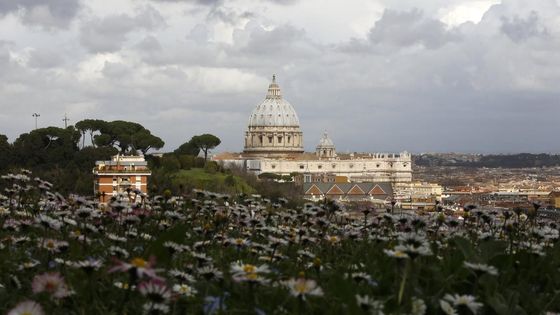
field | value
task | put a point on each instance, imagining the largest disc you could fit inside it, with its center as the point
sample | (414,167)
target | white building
(274,144)
(418,190)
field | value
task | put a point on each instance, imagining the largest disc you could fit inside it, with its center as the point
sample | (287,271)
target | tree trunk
(91,138)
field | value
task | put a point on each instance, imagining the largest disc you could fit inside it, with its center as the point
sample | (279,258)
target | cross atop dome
(273,89)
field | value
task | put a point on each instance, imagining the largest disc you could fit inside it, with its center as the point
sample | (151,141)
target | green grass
(200,178)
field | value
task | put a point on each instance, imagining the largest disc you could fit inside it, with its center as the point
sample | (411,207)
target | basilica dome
(274,111)
(273,126)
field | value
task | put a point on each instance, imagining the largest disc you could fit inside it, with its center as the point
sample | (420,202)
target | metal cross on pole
(65,120)
(36,116)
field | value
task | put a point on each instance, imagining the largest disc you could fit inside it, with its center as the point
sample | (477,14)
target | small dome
(274,110)
(325,142)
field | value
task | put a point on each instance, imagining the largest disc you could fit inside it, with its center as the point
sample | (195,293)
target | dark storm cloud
(409,28)
(46,13)
(108,34)
(519,29)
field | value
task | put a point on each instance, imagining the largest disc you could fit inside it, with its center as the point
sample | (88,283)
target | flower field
(215,254)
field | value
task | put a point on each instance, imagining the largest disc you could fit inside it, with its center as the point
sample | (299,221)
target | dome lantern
(325,148)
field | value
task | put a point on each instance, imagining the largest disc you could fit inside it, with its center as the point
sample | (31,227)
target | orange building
(122,174)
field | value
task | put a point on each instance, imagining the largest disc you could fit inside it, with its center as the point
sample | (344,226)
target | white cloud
(469,11)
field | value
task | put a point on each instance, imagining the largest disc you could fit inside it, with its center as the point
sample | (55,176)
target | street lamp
(36,116)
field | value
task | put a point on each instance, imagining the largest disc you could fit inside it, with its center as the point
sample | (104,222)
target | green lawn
(202,179)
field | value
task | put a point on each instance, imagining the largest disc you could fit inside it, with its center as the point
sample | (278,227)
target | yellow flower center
(399,253)
(249,268)
(317,262)
(301,287)
(252,276)
(139,262)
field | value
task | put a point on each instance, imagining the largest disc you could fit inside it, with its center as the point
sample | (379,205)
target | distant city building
(274,144)
(418,195)
(419,189)
(122,174)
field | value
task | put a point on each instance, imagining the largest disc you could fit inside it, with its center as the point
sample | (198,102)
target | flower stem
(403,282)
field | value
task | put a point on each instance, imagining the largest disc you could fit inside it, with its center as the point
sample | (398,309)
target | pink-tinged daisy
(27,308)
(52,283)
(138,265)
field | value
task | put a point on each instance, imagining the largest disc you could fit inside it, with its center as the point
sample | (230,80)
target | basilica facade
(274,144)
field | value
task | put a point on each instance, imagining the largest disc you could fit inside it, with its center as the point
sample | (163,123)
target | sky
(377,75)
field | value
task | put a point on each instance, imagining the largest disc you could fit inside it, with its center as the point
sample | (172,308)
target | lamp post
(36,116)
